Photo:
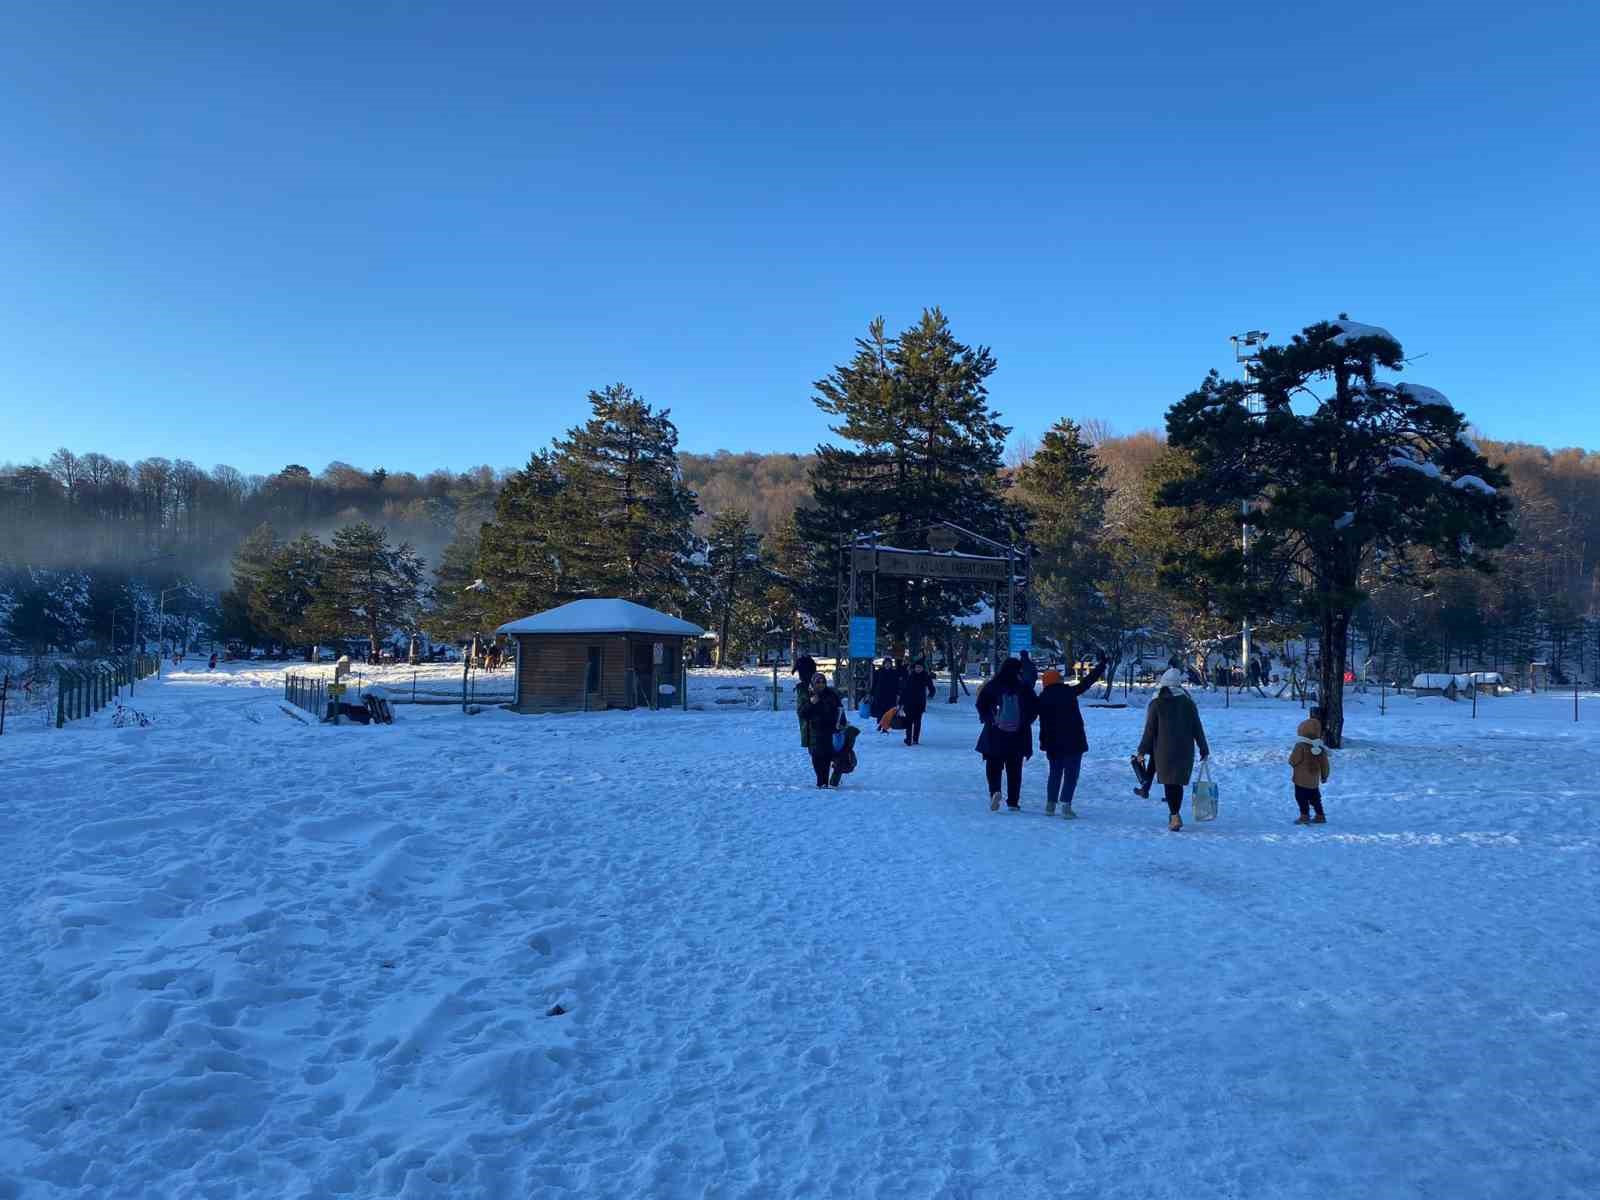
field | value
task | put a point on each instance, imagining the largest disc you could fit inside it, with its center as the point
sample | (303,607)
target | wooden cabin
(595,654)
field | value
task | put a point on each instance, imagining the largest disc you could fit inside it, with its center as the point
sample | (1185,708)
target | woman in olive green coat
(1172,732)
(805,666)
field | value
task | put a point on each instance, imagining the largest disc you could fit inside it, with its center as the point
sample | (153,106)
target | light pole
(161,628)
(1246,350)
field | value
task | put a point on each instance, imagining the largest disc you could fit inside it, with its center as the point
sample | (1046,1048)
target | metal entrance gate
(1004,572)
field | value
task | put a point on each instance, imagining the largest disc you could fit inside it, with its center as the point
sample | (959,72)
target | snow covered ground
(635,954)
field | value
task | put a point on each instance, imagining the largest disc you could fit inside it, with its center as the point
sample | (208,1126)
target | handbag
(1205,794)
(839,738)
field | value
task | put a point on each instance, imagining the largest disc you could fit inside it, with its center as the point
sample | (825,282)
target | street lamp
(1246,350)
(161,628)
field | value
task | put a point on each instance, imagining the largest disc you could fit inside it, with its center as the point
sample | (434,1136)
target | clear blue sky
(418,234)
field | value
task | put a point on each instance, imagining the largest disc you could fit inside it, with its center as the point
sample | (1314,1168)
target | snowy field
(635,954)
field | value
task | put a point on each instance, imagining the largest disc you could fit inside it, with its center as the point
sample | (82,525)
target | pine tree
(281,600)
(368,585)
(523,554)
(733,562)
(1372,471)
(1062,487)
(926,447)
(251,561)
(628,513)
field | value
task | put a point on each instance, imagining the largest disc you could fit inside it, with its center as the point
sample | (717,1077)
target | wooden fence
(83,691)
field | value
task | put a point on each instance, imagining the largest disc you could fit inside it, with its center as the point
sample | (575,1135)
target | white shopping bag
(1205,795)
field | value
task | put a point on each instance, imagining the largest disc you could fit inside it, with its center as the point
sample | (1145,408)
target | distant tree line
(1136,537)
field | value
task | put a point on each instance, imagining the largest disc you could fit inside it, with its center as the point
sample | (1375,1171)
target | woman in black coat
(820,712)
(914,695)
(1062,737)
(1007,710)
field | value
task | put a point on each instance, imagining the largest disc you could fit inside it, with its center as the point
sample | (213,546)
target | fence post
(61,699)
(5,687)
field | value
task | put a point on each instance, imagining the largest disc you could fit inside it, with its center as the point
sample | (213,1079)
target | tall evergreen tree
(368,585)
(284,592)
(1373,470)
(1062,487)
(604,512)
(733,563)
(523,554)
(630,515)
(925,446)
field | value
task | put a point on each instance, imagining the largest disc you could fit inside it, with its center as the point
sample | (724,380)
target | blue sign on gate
(1021,638)
(863,637)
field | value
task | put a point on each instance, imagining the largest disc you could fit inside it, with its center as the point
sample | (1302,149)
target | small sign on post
(1021,638)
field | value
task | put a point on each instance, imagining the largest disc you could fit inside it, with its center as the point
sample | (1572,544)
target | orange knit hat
(1051,676)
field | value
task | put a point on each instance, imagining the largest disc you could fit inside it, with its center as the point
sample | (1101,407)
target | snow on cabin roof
(1351,331)
(603,616)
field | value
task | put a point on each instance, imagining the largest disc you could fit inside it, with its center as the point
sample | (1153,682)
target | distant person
(822,712)
(212,665)
(1028,672)
(1062,736)
(1309,761)
(915,693)
(1172,731)
(1007,710)
(886,682)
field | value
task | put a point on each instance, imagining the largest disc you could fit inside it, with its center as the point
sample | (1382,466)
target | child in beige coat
(1309,758)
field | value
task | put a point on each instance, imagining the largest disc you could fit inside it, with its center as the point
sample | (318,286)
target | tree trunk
(722,639)
(950,661)
(1335,635)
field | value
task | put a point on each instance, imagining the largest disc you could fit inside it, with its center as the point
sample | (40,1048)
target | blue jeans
(1064,771)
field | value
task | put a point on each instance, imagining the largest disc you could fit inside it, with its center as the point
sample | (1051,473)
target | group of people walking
(1012,702)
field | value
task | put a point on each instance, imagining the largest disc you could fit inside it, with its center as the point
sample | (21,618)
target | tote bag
(1205,795)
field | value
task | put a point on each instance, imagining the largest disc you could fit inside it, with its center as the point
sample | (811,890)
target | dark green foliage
(1062,487)
(733,573)
(603,513)
(1366,483)
(367,585)
(924,446)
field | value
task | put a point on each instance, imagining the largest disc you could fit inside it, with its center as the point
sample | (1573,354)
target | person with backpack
(915,693)
(822,712)
(1172,731)
(1062,736)
(1007,710)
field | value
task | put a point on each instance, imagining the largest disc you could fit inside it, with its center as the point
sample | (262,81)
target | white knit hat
(1172,679)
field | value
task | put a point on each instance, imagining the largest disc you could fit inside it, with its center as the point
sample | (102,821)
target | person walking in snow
(885,689)
(1309,761)
(915,693)
(1062,736)
(1172,732)
(1007,710)
(821,712)
(805,667)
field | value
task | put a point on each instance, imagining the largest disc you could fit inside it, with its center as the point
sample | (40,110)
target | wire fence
(83,691)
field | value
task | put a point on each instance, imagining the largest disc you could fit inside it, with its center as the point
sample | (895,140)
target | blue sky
(416,235)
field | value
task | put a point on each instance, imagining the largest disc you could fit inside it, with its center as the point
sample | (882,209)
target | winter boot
(1174,823)
(1066,811)
(1302,819)
(1319,819)
(1050,808)
(994,802)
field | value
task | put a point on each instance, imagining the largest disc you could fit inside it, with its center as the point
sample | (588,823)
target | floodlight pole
(1246,350)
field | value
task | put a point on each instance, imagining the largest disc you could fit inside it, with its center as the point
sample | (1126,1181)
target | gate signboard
(1021,638)
(925,565)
